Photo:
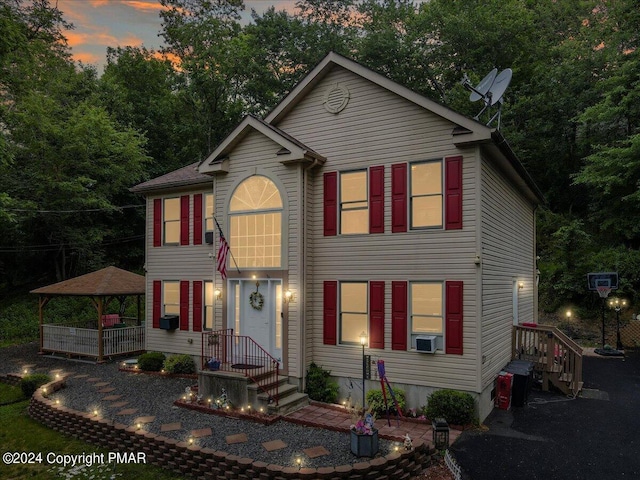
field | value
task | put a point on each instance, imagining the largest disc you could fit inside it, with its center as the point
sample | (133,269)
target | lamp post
(363,342)
(617,305)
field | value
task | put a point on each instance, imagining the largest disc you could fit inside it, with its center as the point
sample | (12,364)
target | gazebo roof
(110,281)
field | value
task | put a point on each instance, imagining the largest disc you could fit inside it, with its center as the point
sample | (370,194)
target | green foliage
(375,401)
(320,387)
(457,408)
(179,364)
(21,433)
(10,394)
(30,383)
(151,361)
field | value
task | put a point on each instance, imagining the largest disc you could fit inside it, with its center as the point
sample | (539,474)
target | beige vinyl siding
(508,255)
(256,154)
(175,262)
(380,128)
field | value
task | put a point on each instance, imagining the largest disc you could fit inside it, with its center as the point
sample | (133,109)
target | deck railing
(241,354)
(553,353)
(85,341)
(118,341)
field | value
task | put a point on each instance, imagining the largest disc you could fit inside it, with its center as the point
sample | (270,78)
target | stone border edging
(206,463)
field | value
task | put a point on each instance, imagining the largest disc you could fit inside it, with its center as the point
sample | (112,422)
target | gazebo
(107,334)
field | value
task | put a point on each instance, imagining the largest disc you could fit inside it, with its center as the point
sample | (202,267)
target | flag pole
(230,252)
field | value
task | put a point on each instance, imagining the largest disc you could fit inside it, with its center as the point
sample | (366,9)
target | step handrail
(552,351)
(241,353)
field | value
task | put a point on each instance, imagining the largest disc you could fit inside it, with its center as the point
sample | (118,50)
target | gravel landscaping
(153,395)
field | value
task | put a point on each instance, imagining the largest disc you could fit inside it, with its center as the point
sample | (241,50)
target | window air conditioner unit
(208,238)
(426,344)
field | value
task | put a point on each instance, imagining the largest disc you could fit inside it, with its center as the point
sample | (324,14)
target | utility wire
(27,210)
(54,247)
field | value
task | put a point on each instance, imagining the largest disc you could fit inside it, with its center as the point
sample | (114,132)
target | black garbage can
(522,371)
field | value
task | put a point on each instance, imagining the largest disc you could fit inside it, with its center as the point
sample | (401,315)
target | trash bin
(522,381)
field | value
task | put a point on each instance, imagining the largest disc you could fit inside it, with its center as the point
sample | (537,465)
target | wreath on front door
(256,299)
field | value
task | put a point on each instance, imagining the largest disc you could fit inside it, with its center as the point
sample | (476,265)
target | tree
(69,161)
(611,127)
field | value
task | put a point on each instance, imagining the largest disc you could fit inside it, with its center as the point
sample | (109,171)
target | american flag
(223,251)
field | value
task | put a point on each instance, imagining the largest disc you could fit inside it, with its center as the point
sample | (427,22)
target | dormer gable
(290,150)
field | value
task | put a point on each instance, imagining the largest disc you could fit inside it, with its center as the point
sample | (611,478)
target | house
(355,206)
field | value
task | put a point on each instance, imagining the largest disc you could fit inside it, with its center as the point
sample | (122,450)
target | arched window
(255,215)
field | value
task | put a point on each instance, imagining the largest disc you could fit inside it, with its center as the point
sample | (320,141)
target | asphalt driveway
(595,436)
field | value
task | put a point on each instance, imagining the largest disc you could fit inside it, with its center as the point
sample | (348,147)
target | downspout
(303,271)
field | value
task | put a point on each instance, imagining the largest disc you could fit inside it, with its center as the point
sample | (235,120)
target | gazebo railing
(85,341)
(77,341)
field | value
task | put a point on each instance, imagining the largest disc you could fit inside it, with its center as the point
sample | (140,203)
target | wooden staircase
(557,359)
(249,374)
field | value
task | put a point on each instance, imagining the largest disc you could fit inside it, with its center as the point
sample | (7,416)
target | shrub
(30,383)
(320,387)
(375,401)
(151,361)
(455,407)
(179,364)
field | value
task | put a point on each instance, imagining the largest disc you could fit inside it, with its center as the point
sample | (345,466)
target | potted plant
(364,437)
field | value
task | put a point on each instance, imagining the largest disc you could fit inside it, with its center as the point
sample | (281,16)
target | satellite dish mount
(490,90)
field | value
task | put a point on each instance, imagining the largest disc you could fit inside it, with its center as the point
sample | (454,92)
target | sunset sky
(111,23)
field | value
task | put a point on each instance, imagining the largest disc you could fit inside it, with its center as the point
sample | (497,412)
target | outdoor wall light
(520,285)
(217,293)
(288,296)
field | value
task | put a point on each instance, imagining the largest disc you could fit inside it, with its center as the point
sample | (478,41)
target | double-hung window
(171,220)
(426,309)
(171,298)
(426,194)
(354,203)
(354,313)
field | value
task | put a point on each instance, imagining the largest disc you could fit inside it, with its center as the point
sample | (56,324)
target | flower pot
(364,445)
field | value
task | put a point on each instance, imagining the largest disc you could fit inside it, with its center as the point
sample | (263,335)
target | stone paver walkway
(335,418)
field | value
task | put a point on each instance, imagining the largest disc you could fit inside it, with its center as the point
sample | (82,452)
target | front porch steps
(289,398)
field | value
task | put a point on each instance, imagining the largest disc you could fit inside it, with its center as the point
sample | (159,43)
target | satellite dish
(490,90)
(483,87)
(499,86)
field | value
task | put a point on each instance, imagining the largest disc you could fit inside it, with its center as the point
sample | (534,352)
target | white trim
(212,163)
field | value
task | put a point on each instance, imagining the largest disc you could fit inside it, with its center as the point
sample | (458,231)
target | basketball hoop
(603,291)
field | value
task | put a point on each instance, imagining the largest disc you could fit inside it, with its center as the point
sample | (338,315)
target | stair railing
(224,351)
(551,351)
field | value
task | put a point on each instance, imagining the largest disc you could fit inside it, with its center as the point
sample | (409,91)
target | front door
(257,313)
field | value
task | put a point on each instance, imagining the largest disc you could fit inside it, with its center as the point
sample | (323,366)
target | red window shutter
(376,315)
(330,203)
(453,317)
(157,303)
(184,305)
(184,220)
(330,313)
(376,199)
(197,306)
(453,193)
(399,315)
(399,197)
(157,222)
(197,219)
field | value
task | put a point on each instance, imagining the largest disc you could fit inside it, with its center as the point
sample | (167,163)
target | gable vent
(336,98)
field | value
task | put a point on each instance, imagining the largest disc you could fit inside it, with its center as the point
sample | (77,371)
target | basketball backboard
(602,279)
